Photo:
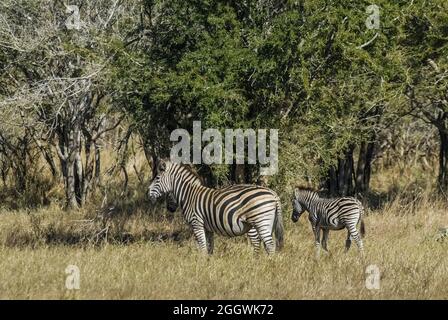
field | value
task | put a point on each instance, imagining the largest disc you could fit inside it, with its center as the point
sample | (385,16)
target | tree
(425,43)
(57,72)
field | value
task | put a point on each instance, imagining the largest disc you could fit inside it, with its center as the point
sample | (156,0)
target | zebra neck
(183,193)
(310,204)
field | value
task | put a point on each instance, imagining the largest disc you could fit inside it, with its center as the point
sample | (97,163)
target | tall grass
(129,249)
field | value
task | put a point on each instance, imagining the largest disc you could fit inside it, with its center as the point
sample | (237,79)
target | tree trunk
(88,172)
(346,177)
(79,178)
(340,178)
(46,152)
(72,203)
(332,181)
(97,164)
(79,169)
(126,179)
(364,167)
(50,161)
(443,160)
(70,178)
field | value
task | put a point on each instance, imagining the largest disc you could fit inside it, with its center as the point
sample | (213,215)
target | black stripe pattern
(230,211)
(329,214)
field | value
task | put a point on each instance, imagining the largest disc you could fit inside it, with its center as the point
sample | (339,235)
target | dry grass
(138,252)
(158,259)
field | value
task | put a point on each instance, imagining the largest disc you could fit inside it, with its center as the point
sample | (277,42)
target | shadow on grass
(125,220)
(412,194)
(378,200)
(95,238)
(11,199)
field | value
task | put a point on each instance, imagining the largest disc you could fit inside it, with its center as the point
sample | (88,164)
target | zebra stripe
(330,214)
(230,211)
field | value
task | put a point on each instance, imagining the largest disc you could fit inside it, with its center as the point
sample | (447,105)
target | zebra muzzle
(153,199)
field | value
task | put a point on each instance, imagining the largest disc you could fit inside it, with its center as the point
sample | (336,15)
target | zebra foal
(231,211)
(329,214)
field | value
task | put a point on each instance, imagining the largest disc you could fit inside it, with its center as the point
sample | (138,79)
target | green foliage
(309,68)
(305,67)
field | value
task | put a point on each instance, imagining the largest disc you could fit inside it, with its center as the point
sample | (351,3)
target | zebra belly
(236,210)
(237,228)
(333,224)
(332,227)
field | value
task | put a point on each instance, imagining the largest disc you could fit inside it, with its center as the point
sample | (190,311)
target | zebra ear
(296,193)
(162,166)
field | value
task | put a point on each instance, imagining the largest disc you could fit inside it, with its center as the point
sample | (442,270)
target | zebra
(172,206)
(329,214)
(231,211)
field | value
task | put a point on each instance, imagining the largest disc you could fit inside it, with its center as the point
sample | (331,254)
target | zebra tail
(361,216)
(278,227)
(363,229)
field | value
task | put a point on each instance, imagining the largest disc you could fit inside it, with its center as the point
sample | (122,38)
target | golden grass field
(147,255)
(403,245)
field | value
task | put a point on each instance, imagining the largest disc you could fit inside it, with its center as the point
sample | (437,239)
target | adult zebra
(231,211)
(329,214)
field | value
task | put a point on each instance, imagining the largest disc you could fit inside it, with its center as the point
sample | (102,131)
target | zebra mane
(305,189)
(190,169)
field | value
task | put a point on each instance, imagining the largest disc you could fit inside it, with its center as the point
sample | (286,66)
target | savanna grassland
(143,252)
(354,95)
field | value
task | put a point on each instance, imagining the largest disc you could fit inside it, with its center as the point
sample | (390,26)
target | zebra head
(297,210)
(301,198)
(161,184)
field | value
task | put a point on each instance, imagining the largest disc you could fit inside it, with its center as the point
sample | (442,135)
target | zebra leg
(254,239)
(355,236)
(199,234)
(316,230)
(348,242)
(210,242)
(265,234)
(325,239)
